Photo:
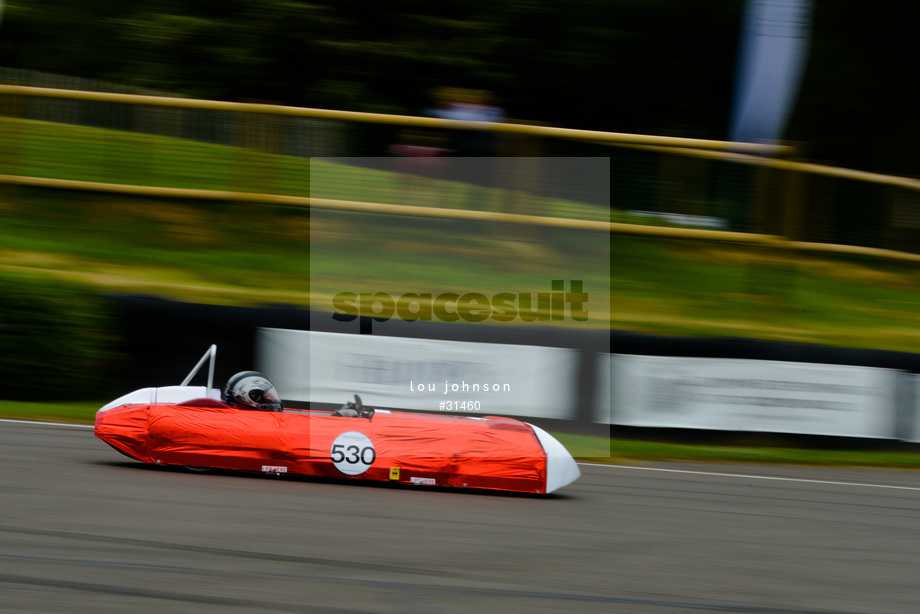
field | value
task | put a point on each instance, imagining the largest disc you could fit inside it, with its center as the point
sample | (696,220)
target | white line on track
(628,467)
(753,477)
(43,423)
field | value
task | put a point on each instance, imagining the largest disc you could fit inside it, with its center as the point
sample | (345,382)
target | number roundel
(353,453)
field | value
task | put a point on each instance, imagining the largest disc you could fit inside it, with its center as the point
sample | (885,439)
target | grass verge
(236,253)
(627,451)
(77,412)
(221,253)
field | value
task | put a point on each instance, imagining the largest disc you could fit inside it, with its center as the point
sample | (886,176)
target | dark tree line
(648,66)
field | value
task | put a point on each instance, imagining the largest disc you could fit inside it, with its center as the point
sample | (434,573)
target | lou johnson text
(463,386)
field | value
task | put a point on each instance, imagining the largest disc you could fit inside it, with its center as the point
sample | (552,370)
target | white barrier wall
(914,413)
(603,401)
(480,378)
(747,395)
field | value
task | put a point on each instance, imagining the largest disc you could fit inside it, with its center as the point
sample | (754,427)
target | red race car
(246,428)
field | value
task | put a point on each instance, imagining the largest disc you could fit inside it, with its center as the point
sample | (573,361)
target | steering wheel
(364,412)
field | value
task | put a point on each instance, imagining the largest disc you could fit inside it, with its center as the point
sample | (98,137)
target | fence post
(11,135)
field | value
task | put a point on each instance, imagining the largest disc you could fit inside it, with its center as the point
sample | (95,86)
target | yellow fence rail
(402,120)
(772,157)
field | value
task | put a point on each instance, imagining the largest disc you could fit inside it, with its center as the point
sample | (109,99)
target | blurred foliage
(55,340)
(646,66)
(239,254)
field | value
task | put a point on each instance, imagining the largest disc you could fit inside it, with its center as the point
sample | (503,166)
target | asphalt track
(83,529)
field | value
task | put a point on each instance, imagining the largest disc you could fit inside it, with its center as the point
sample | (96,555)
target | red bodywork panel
(430,449)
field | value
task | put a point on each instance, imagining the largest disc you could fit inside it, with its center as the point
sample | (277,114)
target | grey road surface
(83,529)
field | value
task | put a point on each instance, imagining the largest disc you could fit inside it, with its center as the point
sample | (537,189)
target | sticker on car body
(353,453)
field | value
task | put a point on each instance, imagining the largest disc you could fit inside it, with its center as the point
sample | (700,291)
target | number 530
(353,454)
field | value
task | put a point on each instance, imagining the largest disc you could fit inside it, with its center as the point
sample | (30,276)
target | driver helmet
(252,390)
